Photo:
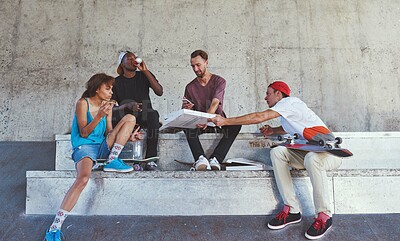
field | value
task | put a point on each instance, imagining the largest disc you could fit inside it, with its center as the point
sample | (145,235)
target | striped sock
(115,151)
(59,219)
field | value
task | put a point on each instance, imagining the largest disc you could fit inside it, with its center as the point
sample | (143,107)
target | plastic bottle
(139,146)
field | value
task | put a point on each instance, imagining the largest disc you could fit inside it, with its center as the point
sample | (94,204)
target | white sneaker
(215,164)
(202,164)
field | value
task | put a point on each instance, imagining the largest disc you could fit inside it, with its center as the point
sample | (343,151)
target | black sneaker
(318,228)
(284,218)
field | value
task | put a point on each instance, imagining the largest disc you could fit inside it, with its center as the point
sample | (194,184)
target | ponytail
(85,94)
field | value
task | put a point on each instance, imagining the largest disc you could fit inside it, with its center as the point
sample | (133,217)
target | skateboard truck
(289,139)
(331,144)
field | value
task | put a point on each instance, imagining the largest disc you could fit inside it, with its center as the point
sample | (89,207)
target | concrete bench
(371,150)
(186,193)
(363,184)
(174,147)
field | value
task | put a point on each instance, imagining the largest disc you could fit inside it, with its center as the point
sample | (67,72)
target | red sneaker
(318,228)
(284,218)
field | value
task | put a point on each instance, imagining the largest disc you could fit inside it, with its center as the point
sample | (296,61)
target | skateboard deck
(187,163)
(331,147)
(146,160)
(230,165)
(138,164)
(340,152)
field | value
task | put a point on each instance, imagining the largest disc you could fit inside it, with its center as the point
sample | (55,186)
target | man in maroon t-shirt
(206,93)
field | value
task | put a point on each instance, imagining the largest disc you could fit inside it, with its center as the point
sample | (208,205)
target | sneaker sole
(317,237)
(117,170)
(283,225)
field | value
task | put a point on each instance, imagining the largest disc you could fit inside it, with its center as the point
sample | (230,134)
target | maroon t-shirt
(201,96)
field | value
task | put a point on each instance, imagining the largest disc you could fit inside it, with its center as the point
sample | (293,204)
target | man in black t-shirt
(131,91)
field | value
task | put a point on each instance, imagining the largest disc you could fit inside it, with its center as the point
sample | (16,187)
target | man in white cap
(295,117)
(131,91)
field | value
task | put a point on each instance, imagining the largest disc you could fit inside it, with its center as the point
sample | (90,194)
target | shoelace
(282,215)
(318,224)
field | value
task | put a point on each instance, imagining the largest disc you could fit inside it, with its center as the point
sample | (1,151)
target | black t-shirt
(132,89)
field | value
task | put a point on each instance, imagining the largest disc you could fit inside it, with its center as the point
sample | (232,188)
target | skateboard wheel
(296,136)
(338,140)
(322,143)
(280,138)
(192,169)
(137,167)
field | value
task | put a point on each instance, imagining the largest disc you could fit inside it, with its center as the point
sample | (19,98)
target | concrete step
(363,184)
(372,150)
(183,193)
(174,147)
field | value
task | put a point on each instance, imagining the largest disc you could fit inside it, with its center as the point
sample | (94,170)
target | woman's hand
(105,109)
(136,135)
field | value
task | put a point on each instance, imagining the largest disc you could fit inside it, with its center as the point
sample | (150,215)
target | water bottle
(139,146)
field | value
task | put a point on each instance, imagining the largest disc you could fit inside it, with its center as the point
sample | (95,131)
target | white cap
(121,56)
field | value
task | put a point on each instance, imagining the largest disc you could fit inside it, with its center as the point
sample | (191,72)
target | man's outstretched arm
(252,118)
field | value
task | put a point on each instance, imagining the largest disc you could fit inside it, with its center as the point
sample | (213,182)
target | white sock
(115,151)
(59,219)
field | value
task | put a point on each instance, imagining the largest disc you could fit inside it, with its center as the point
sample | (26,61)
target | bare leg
(83,168)
(122,131)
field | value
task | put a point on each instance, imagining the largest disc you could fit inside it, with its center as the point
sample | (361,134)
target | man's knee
(321,161)
(278,154)
(312,160)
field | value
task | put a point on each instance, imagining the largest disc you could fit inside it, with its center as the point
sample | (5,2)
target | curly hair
(95,82)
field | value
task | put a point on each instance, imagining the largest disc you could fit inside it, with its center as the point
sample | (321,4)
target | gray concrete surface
(178,193)
(341,57)
(369,148)
(18,157)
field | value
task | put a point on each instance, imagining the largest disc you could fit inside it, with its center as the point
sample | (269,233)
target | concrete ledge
(213,174)
(208,193)
(162,193)
(372,150)
(174,146)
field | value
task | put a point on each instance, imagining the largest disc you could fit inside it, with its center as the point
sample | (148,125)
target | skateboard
(331,147)
(249,165)
(137,164)
(187,163)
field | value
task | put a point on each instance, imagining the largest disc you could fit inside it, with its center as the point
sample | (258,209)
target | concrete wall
(341,57)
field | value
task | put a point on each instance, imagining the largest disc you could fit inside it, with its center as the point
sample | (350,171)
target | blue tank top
(95,137)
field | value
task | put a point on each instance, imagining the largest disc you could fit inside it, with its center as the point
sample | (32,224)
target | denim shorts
(94,152)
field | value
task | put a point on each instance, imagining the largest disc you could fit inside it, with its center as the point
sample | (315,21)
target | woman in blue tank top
(92,138)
